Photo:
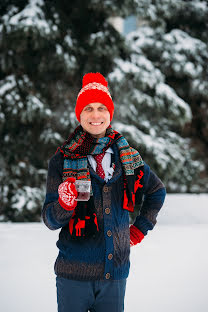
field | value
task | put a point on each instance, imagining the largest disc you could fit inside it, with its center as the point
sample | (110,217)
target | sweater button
(110,256)
(107,275)
(105,189)
(109,233)
(107,210)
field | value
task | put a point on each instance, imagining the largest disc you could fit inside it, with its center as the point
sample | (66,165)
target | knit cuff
(143,224)
(55,216)
(60,214)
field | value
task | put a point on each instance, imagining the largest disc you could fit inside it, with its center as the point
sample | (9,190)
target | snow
(34,107)
(201,5)
(27,197)
(127,67)
(35,103)
(9,90)
(142,93)
(31,16)
(168,269)
(116,75)
(59,49)
(164,91)
(191,70)
(199,87)
(68,41)
(7,84)
(142,38)
(48,136)
(183,47)
(97,35)
(70,61)
(162,148)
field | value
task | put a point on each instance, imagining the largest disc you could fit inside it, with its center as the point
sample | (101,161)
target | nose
(95,114)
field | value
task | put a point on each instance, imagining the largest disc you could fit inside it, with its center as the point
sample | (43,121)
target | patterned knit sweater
(107,255)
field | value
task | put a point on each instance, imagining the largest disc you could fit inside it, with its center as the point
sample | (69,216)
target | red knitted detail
(70,179)
(136,236)
(127,204)
(137,182)
(94,77)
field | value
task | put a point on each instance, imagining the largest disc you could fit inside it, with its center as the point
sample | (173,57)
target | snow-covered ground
(168,270)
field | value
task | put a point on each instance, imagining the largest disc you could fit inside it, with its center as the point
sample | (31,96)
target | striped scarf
(80,144)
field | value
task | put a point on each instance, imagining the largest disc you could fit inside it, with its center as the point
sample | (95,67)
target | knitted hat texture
(94,89)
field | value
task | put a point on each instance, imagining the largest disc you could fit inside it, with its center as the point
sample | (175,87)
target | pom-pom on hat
(94,89)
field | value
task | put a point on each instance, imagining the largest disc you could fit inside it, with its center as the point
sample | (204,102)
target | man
(95,238)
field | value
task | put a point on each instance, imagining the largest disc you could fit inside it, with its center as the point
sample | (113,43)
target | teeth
(96,123)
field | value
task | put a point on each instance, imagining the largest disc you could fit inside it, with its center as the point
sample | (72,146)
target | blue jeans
(93,296)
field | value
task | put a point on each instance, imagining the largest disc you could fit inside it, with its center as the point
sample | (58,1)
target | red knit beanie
(94,89)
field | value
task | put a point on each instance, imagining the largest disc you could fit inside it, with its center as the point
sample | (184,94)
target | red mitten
(136,236)
(68,194)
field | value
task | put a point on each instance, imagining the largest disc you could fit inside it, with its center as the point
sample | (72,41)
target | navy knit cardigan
(107,255)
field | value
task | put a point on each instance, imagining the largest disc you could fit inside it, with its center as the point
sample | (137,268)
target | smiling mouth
(96,123)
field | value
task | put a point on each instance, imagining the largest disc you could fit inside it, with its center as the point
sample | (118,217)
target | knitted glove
(67,194)
(136,236)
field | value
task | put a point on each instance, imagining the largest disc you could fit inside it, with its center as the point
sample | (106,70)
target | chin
(99,133)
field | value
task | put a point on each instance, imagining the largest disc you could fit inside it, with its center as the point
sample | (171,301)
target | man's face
(95,119)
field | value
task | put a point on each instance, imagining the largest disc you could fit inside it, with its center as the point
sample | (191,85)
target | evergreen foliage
(164,84)
(157,77)
(45,49)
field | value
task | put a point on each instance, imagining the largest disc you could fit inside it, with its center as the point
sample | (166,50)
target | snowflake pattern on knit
(66,194)
(94,85)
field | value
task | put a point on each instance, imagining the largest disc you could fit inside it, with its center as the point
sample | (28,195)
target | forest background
(157,76)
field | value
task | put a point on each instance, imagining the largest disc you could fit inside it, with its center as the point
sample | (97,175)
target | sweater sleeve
(54,216)
(154,197)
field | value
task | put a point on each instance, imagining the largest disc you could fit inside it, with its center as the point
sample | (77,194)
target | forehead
(96,104)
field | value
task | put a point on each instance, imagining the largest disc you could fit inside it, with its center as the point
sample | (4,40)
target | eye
(88,108)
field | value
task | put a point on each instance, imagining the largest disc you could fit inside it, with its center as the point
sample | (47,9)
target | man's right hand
(68,194)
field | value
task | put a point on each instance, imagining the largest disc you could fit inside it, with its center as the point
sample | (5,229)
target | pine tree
(164,86)
(190,78)
(45,49)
